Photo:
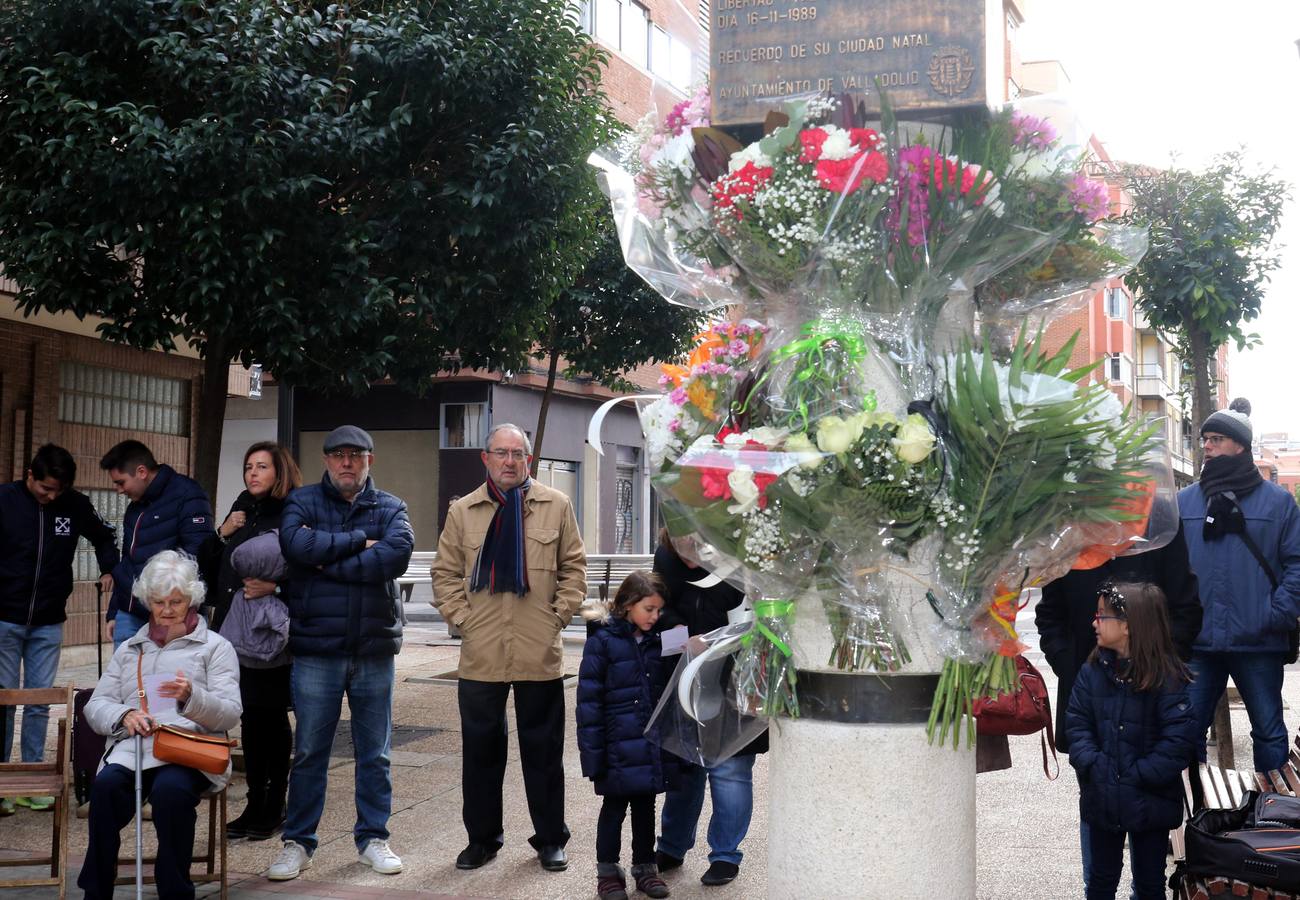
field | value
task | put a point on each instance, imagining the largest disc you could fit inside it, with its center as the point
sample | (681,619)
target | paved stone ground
(1028,826)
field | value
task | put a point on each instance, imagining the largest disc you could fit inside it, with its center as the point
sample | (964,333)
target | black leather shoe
(553,859)
(720,873)
(474,856)
(667,863)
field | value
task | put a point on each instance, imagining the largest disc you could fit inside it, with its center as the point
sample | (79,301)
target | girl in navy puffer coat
(619,683)
(1132,732)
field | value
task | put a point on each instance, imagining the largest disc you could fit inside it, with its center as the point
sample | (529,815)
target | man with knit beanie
(1243,541)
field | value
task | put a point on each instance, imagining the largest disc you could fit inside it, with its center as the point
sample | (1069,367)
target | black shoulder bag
(1292,636)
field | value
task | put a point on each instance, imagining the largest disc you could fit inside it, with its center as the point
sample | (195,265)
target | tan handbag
(206,752)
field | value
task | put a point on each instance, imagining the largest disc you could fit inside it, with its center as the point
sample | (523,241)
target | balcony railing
(1151,381)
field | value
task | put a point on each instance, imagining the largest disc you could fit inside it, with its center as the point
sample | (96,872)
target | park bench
(417,572)
(605,571)
(1221,789)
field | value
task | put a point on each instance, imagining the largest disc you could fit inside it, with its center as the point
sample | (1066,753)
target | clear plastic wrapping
(841,442)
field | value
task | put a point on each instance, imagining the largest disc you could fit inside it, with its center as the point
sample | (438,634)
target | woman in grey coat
(204,684)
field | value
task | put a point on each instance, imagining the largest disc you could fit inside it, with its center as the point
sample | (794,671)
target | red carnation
(811,141)
(844,176)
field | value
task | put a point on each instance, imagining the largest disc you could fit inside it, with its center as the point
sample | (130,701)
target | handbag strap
(1047,737)
(1250,542)
(139,684)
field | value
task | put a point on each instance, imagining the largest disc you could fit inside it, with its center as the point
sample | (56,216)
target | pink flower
(1089,198)
(678,397)
(1031,132)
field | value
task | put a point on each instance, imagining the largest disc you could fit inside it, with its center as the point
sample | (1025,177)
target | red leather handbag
(1026,710)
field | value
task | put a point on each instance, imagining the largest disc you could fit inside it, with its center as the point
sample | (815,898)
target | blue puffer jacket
(1128,748)
(619,684)
(1242,611)
(343,600)
(173,514)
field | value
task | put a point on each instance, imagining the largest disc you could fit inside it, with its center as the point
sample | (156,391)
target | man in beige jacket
(511,572)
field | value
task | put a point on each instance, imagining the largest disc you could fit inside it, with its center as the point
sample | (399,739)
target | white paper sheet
(672,641)
(158,704)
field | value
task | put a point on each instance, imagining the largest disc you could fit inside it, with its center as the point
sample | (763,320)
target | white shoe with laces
(380,857)
(290,863)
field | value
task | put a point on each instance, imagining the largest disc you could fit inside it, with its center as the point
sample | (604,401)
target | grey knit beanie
(1230,423)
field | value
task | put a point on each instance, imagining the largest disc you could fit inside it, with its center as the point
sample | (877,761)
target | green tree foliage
(341,192)
(1211,253)
(609,320)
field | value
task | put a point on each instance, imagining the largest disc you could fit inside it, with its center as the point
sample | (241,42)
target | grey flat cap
(348,436)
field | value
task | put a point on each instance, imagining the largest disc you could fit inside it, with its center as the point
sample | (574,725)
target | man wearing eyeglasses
(346,542)
(511,572)
(1243,540)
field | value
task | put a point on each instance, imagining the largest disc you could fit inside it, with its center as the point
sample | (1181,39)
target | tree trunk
(546,404)
(212,415)
(1203,356)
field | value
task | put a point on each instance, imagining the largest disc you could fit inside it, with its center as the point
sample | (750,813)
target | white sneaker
(291,861)
(380,857)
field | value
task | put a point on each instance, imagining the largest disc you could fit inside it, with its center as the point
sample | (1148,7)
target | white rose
(802,447)
(743,490)
(835,435)
(914,440)
(767,436)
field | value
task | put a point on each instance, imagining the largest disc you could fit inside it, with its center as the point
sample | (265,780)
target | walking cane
(139,828)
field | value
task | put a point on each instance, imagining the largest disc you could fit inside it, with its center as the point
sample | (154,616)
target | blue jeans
(125,626)
(36,650)
(318,684)
(1085,846)
(1258,677)
(732,788)
(1146,856)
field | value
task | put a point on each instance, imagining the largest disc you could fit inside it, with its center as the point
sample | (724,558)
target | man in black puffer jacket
(167,512)
(41,518)
(346,542)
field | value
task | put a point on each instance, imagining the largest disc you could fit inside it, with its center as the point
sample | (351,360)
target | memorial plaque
(926,54)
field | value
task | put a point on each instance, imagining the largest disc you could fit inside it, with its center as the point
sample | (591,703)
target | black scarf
(502,565)
(1224,481)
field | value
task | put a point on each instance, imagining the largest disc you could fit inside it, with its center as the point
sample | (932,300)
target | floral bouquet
(839,438)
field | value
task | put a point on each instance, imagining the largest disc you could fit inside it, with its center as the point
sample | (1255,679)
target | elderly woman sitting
(205,686)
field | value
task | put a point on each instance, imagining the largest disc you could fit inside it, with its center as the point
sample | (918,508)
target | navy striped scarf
(501,566)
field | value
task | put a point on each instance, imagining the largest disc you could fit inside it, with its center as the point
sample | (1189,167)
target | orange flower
(703,398)
(707,342)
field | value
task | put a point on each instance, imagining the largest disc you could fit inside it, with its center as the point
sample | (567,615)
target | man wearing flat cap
(346,542)
(1243,542)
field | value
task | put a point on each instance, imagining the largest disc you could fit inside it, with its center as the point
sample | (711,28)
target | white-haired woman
(205,686)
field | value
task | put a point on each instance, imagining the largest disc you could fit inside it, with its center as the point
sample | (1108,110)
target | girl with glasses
(1132,732)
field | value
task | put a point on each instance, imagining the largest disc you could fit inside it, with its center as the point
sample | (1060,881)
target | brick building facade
(61,384)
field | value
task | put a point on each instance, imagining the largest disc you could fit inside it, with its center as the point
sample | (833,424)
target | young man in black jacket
(41,518)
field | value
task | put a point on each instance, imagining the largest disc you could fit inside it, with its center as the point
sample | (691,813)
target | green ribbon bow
(825,348)
(770,609)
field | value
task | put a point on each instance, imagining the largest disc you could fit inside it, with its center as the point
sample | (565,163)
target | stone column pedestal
(868,811)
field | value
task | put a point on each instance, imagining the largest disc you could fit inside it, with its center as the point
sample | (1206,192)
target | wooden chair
(43,779)
(212,859)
